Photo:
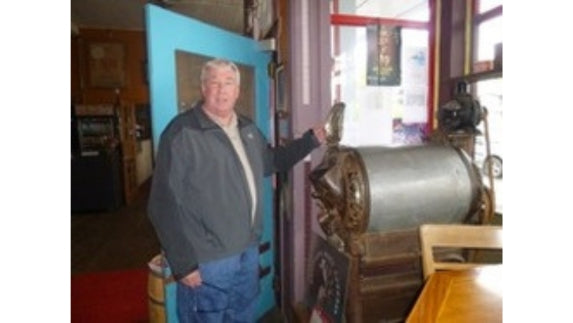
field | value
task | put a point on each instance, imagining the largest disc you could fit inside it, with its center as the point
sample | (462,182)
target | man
(206,199)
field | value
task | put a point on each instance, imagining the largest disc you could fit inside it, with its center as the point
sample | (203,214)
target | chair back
(463,236)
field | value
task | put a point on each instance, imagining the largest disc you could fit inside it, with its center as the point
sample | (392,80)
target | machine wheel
(487,208)
(496,166)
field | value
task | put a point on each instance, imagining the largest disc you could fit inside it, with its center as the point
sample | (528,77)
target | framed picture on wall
(106,64)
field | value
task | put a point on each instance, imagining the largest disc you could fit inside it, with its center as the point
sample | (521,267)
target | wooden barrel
(156,291)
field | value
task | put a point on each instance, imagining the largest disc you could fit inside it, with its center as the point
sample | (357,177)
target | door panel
(168,34)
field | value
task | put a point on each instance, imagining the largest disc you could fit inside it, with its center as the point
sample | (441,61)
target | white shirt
(232,131)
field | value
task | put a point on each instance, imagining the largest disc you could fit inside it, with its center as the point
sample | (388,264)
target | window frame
(338,19)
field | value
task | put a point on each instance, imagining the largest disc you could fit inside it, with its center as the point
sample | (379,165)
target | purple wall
(309,67)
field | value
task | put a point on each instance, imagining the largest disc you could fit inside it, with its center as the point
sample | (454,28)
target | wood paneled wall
(135,90)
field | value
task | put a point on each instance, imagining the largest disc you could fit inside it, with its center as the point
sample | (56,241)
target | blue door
(168,33)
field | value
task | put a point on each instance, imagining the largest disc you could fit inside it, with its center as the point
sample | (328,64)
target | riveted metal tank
(380,189)
(372,201)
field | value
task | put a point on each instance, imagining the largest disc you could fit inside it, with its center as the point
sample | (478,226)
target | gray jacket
(199,203)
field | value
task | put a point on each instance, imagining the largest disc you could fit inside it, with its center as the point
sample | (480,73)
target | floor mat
(114,296)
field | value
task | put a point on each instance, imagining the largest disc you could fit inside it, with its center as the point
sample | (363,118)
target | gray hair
(219,63)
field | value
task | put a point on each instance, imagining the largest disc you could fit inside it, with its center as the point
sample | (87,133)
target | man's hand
(193,280)
(320,133)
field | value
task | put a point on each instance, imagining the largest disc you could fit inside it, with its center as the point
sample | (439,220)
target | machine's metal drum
(408,186)
(371,203)
(376,189)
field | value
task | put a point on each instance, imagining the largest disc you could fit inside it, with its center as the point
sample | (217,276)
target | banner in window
(383,62)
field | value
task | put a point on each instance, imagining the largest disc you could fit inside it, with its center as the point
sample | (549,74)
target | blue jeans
(228,293)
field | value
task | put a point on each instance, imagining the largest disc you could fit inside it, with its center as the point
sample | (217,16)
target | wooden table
(473,295)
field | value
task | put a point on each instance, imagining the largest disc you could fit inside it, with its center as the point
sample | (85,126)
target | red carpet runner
(114,296)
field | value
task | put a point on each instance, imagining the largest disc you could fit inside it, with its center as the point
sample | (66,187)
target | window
(487,5)
(413,10)
(381,114)
(489,34)
(488,27)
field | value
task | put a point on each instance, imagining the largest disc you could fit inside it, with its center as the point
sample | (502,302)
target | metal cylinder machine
(372,201)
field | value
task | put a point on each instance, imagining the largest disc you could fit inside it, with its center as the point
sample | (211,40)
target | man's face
(220,91)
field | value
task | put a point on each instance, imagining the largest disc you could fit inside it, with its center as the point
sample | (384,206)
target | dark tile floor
(114,240)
